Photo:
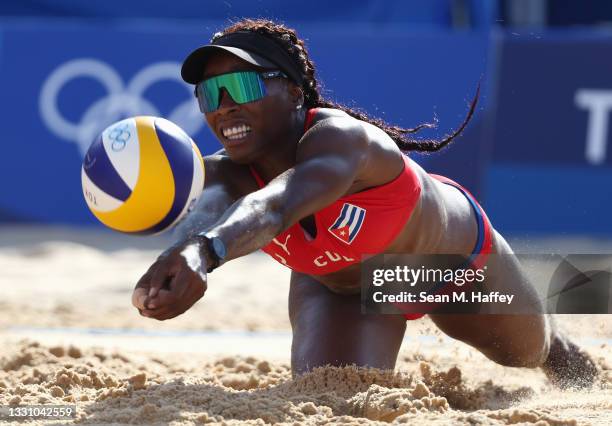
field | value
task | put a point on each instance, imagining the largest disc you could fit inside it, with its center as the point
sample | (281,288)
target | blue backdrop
(550,168)
(416,13)
(67,81)
(535,153)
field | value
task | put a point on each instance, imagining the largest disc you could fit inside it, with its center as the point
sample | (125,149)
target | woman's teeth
(237,132)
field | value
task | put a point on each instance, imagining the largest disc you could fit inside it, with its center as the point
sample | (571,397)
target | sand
(119,387)
(226,361)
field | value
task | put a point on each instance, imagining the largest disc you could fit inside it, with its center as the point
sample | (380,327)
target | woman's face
(266,120)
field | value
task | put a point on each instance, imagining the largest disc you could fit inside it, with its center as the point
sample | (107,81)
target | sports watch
(216,251)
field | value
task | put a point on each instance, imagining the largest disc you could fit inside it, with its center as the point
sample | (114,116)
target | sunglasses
(242,86)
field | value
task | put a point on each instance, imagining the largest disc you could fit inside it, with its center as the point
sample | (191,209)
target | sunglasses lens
(207,93)
(243,87)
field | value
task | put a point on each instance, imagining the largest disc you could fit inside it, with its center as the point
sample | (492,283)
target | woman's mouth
(235,133)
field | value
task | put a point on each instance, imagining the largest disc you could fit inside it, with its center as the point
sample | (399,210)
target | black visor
(250,46)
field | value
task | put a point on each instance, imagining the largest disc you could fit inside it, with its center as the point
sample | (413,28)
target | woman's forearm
(211,205)
(249,224)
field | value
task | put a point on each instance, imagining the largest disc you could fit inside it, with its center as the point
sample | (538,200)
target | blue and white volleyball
(142,175)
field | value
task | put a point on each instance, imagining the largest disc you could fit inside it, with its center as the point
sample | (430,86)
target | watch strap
(212,258)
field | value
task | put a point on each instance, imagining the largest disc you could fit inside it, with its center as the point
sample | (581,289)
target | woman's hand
(173,284)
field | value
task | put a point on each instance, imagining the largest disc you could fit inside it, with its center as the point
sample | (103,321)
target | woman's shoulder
(319,114)
(333,125)
(329,112)
(328,133)
(341,120)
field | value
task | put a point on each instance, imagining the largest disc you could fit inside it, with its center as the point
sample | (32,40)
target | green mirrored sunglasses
(242,86)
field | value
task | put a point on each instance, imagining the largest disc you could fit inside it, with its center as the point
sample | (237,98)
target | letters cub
(320,260)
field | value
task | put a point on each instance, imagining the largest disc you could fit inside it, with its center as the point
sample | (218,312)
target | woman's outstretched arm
(329,157)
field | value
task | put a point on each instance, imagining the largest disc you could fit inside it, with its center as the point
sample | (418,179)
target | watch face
(218,247)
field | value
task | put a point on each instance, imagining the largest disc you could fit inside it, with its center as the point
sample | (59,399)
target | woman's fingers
(165,305)
(143,282)
(170,287)
(181,296)
(181,282)
(163,299)
(171,294)
(161,313)
(161,276)
(139,296)
(141,291)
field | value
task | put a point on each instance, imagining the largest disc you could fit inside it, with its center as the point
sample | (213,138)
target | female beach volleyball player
(317,185)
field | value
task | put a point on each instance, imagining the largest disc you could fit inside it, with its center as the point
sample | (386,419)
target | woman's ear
(297,96)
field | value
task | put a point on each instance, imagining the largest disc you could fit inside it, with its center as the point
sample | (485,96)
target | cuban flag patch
(348,223)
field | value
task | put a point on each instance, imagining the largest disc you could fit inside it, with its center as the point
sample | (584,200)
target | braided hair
(288,39)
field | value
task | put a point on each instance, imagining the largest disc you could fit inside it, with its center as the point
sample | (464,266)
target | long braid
(289,40)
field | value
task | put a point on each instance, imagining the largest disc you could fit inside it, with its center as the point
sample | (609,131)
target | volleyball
(141,175)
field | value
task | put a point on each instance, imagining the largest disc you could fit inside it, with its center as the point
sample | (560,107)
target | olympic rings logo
(120,135)
(120,101)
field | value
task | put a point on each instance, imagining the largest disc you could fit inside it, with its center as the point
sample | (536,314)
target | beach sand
(68,335)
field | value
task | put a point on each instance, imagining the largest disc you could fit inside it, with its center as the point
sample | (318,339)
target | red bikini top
(359,224)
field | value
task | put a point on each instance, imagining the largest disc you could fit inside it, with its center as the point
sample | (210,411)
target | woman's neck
(283,157)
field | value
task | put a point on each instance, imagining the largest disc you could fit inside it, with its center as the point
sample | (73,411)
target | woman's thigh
(329,328)
(508,338)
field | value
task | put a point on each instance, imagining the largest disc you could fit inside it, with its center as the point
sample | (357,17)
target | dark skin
(337,156)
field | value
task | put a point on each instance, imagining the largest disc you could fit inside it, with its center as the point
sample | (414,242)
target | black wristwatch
(216,251)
